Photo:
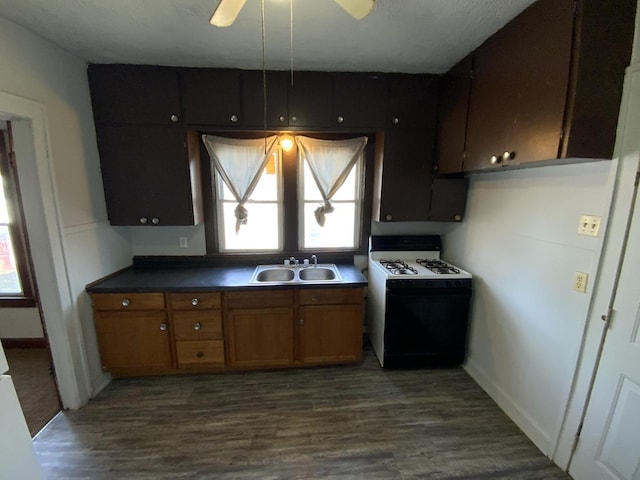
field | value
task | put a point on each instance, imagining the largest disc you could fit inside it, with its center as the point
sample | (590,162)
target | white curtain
(330,162)
(240,163)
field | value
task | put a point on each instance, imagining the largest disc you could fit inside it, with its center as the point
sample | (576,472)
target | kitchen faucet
(314,260)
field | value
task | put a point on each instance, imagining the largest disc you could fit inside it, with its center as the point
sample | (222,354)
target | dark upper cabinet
(548,85)
(519,89)
(134,94)
(150,175)
(453,105)
(448,199)
(412,101)
(311,100)
(211,97)
(402,186)
(359,100)
(253,98)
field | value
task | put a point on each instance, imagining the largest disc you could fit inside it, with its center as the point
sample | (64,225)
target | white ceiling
(415,36)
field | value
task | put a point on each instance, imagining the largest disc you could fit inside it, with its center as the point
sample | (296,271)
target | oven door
(426,327)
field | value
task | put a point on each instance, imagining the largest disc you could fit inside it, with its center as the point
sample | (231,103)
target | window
(15,278)
(331,192)
(265,200)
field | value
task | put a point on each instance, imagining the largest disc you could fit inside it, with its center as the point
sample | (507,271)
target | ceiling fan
(227,10)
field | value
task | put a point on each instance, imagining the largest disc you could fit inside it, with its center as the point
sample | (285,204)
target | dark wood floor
(358,422)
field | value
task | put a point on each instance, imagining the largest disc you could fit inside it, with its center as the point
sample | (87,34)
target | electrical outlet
(580,282)
(589,225)
(183,242)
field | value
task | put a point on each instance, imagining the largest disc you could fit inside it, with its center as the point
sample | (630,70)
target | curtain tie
(321,212)
(241,216)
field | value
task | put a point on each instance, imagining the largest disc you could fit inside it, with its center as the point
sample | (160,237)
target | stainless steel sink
(317,273)
(274,274)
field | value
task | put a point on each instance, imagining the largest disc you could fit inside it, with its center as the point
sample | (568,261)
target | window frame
(290,203)
(17,227)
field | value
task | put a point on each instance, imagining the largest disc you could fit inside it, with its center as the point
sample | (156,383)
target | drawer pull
(125,302)
(200,354)
(197,326)
(301,321)
(163,326)
(194,301)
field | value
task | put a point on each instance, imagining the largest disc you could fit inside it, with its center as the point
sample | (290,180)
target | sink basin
(275,275)
(317,273)
(271,274)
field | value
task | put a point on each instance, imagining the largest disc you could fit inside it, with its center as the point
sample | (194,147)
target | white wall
(40,72)
(520,242)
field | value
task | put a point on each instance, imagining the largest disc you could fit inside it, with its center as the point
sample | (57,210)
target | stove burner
(398,267)
(437,266)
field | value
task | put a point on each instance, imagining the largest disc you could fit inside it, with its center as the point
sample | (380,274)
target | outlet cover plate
(580,282)
(589,225)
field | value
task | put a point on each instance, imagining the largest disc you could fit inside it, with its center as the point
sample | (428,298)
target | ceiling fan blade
(358,9)
(226,12)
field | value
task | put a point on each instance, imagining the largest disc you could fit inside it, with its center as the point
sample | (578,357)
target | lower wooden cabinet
(135,342)
(260,337)
(158,333)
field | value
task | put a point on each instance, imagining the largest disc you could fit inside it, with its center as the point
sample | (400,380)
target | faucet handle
(314,259)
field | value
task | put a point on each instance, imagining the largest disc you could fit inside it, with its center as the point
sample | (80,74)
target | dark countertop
(206,278)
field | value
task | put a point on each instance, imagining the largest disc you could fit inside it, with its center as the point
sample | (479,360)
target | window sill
(17,302)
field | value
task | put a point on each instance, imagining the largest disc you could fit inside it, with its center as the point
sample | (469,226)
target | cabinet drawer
(323,296)
(128,301)
(197,325)
(193,301)
(253,299)
(200,353)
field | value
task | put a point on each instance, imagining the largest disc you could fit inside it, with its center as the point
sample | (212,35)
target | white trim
(519,416)
(60,315)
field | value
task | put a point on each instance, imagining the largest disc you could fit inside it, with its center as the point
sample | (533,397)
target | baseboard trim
(521,418)
(24,342)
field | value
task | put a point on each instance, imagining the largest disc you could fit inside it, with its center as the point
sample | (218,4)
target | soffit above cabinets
(413,36)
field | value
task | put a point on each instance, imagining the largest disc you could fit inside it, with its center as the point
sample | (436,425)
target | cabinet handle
(281,119)
(200,354)
(163,326)
(457,218)
(197,326)
(395,120)
(125,302)
(508,156)
(155,220)
(294,119)
(495,160)
(388,217)
(301,321)
(340,119)
(234,118)
(174,118)
(194,301)
(143,220)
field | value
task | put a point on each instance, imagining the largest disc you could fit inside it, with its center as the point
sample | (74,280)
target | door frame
(32,144)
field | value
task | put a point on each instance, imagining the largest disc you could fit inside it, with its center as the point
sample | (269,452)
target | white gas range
(418,304)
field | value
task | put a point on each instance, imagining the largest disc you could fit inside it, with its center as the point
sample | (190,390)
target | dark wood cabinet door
(359,100)
(412,101)
(253,99)
(330,334)
(134,94)
(310,100)
(448,199)
(405,193)
(134,341)
(260,337)
(453,106)
(519,87)
(146,175)
(211,97)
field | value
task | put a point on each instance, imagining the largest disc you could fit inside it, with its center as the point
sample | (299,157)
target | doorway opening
(22,329)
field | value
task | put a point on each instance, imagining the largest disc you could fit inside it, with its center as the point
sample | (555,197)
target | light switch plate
(580,282)
(589,225)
